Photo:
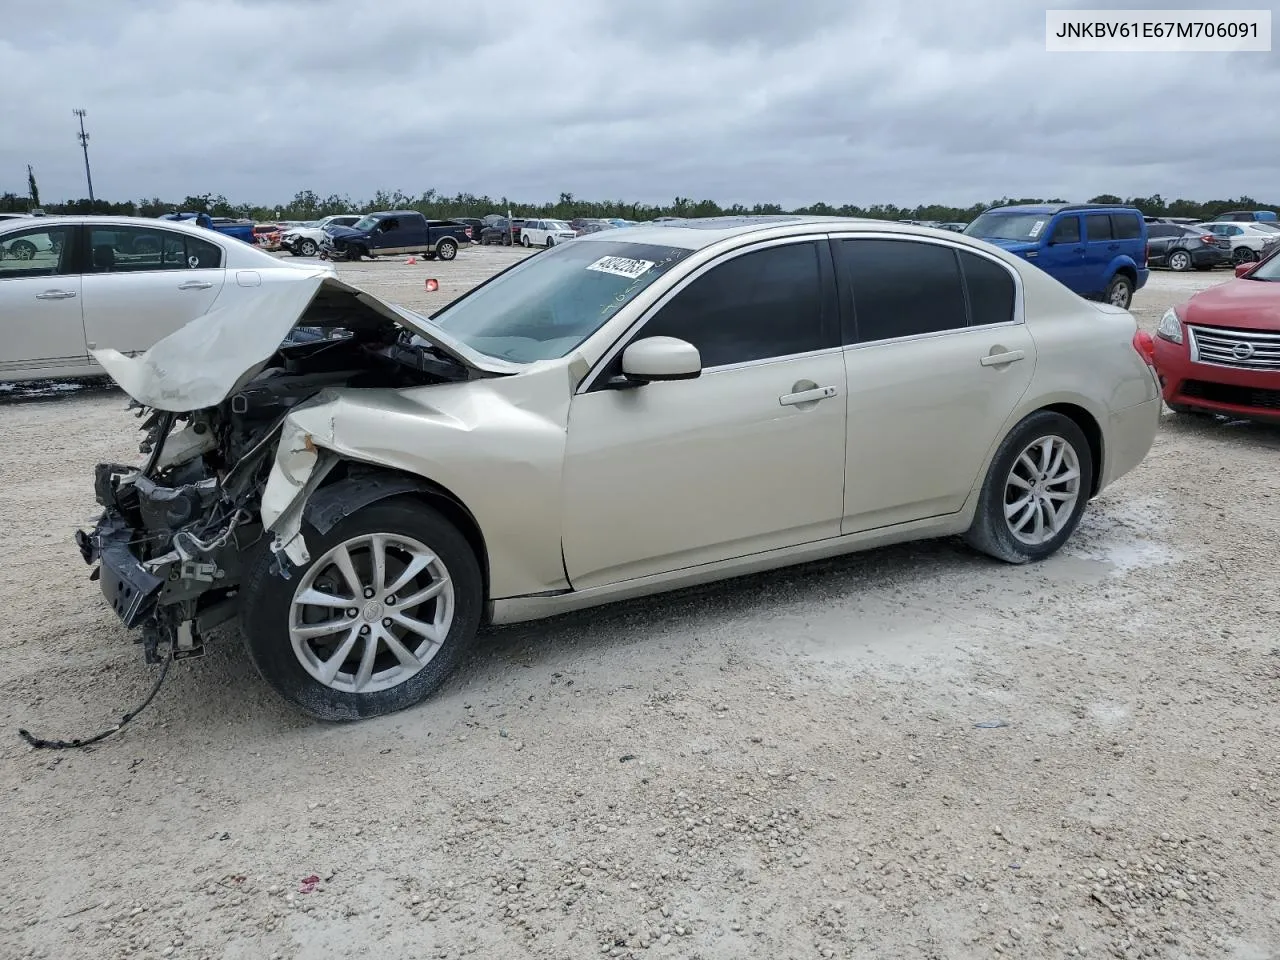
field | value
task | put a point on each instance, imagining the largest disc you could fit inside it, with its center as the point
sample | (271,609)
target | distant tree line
(308,205)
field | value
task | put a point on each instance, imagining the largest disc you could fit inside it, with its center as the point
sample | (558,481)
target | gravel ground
(912,752)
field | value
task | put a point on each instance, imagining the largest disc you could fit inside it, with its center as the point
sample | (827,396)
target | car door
(1162,238)
(142,283)
(1101,247)
(937,357)
(1064,252)
(40,300)
(746,458)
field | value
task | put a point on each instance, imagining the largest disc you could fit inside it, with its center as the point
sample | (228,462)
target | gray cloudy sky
(788,101)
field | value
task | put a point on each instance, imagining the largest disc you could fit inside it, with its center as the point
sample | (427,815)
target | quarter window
(136,249)
(902,288)
(36,252)
(1125,226)
(991,289)
(759,305)
(1097,226)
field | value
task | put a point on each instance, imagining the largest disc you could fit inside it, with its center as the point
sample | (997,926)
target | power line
(84,144)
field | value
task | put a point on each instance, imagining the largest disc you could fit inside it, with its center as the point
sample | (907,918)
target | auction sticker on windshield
(1036,228)
(622,267)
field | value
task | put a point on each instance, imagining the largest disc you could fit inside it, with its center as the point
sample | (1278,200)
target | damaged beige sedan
(361,487)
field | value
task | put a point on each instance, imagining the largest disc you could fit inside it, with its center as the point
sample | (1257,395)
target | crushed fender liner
(178,533)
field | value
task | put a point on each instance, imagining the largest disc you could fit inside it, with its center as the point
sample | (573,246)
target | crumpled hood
(338,230)
(204,362)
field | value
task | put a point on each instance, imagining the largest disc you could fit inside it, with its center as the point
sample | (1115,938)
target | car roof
(183,226)
(698,232)
(1060,207)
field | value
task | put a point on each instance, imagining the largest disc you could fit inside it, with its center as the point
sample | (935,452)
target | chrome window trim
(627,336)
(163,231)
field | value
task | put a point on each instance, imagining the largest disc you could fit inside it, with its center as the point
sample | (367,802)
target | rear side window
(120,249)
(1157,230)
(760,305)
(991,289)
(1125,226)
(1097,226)
(903,288)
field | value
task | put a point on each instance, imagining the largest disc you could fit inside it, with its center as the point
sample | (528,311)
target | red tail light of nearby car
(1208,239)
(467,231)
(1145,346)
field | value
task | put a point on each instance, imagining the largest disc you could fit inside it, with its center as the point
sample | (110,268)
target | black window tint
(1097,226)
(135,249)
(763,304)
(901,288)
(181,252)
(991,289)
(1125,226)
(1067,230)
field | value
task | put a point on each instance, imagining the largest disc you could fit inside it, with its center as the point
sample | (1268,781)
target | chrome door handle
(807,396)
(56,295)
(195,285)
(999,359)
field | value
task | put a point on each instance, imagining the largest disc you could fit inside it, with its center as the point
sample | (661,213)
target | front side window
(36,252)
(1066,230)
(546,306)
(903,288)
(759,305)
(119,249)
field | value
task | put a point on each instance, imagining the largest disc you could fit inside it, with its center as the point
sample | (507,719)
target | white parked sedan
(633,412)
(121,282)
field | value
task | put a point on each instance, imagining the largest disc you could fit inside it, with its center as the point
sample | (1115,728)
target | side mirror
(658,358)
(1243,268)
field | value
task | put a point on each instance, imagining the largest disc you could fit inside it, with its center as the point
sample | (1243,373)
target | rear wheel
(525,241)
(446,249)
(375,622)
(1120,291)
(1035,491)
(1180,260)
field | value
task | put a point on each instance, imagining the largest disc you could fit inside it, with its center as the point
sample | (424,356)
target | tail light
(467,231)
(1145,346)
(1208,239)
(1146,251)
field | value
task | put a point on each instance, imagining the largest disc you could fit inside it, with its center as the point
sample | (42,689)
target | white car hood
(204,362)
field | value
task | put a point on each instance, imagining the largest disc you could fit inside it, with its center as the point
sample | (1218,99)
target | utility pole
(84,144)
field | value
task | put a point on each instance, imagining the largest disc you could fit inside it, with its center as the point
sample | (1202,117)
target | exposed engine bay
(177,533)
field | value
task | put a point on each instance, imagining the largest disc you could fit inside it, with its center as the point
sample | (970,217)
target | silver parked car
(633,412)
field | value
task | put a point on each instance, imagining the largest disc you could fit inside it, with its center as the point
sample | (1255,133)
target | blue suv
(1098,250)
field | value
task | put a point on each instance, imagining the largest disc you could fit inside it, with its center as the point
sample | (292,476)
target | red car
(1220,351)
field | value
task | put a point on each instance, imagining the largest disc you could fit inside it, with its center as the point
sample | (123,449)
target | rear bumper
(1144,275)
(1253,394)
(1130,434)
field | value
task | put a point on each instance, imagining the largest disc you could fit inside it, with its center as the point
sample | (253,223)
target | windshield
(1268,227)
(558,225)
(366,223)
(1269,269)
(1023,227)
(548,304)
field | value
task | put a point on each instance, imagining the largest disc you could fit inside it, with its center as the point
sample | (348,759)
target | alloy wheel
(1042,489)
(371,613)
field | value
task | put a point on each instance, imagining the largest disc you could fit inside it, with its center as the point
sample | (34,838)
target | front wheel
(446,250)
(307,248)
(1120,291)
(375,622)
(1035,490)
(1243,255)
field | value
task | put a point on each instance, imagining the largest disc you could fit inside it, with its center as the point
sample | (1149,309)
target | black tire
(355,253)
(507,241)
(1243,255)
(1119,291)
(526,242)
(1180,261)
(306,247)
(446,249)
(22,250)
(990,531)
(550,242)
(267,602)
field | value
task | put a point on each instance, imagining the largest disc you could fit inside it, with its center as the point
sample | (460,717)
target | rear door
(937,358)
(40,300)
(143,283)
(1101,247)
(1161,239)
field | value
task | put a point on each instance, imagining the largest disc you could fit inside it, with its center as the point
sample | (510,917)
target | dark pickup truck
(395,232)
